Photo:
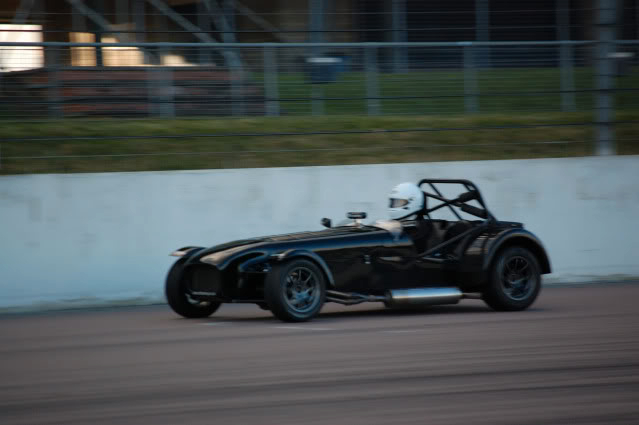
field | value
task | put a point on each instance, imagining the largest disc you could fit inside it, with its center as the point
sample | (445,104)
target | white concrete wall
(87,238)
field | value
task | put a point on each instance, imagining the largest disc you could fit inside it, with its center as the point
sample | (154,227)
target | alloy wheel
(302,290)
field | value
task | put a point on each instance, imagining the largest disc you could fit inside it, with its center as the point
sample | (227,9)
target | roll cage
(460,203)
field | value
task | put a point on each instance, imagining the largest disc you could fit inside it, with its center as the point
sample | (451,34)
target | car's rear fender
(302,253)
(519,237)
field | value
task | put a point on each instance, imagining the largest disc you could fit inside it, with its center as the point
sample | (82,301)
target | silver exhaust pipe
(422,296)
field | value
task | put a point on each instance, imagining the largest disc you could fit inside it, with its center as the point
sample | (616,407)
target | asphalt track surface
(571,359)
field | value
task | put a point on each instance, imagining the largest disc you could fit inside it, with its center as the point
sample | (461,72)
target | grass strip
(106,145)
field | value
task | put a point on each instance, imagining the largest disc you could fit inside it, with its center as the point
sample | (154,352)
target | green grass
(429,99)
(297,150)
(441,92)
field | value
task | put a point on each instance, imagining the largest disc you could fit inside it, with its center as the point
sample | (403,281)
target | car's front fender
(302,253)
(186,252)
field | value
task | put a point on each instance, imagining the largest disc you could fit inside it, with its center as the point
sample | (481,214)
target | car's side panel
(395,266)
(344,256)
(470,272)
(349,259)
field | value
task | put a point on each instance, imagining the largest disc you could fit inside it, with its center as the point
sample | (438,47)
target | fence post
(372,83)
(237,76)
(53,91)
(606,17)
(567,85)
(153,78)
(167,87)
(204,22)
(470,81)
(482,31)
(139,23)
(316,24)
(317,102)
(150,95)
(160,92)
(270,82)
(567,82)
(398,10)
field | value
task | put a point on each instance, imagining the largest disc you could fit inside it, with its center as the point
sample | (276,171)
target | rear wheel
(295,291)
(515,280)
(180,301)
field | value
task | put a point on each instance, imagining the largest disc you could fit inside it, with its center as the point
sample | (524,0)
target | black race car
(293,275)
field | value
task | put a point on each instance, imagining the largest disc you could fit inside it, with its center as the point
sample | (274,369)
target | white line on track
(303,328)
(401,331)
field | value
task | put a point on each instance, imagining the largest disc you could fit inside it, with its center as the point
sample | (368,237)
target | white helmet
(405,199)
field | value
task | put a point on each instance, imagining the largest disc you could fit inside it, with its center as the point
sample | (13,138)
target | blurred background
(93,86)
(313,82)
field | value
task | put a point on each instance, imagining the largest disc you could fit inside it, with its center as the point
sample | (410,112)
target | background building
(307,21)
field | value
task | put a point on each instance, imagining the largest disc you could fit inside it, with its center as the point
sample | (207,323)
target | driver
(407,204)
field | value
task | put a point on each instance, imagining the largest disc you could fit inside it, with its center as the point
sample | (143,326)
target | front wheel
(295,291)
(179,300)
(515,280)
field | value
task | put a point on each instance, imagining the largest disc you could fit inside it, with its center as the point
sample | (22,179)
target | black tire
(515,280)
(291,298)
(175,290)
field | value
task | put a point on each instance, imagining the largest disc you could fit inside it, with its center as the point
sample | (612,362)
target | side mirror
(326,222)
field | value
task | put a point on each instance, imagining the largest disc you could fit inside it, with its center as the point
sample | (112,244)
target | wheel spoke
(519,282)
(517,291)
(507,267)
(517,276)
(301,289)
(523,267)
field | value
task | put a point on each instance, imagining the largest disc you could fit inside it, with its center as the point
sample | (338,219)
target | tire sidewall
(495,295)
(175,293)
(275,287)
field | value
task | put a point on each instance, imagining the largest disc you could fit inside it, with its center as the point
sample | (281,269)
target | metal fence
(52,80)
(384,81)
(239,79)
